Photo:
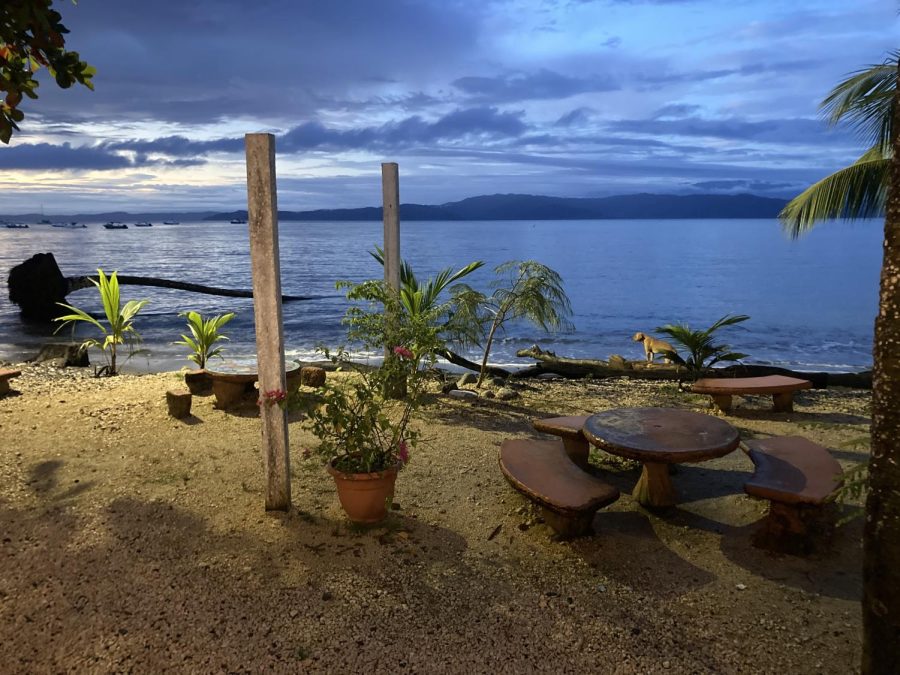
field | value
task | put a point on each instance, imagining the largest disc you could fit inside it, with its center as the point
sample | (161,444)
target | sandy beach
(132,541)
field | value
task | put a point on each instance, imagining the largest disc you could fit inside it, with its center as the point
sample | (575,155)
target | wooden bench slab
(543,472)
(798,477)
(782,388)
(569,430)
(5,376)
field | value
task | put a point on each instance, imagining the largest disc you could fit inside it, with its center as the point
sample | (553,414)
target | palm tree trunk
(881,562)
(487,349)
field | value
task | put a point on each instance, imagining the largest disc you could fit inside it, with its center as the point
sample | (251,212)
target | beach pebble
(463,394)
(468,378)
(506,394)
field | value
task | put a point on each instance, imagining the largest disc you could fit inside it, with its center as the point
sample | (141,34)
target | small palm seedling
(523,290)
(204,336)
(119,329)
(702,352)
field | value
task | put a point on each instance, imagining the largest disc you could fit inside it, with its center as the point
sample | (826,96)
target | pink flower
(403,352)
(272,397)
(403,452)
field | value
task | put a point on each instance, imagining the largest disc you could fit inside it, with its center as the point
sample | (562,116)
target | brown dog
(653,346)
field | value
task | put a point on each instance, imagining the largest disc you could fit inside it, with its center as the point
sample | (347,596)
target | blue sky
(557,97)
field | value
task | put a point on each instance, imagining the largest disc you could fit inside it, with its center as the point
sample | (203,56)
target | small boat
(171,222)
(17,226)
(115,226)
(143,224)
(70,226)
(238,221)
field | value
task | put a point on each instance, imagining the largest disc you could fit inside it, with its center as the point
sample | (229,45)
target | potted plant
(205,333)
(364,432)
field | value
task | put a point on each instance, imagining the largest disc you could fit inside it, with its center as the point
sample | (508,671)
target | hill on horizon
(538,207)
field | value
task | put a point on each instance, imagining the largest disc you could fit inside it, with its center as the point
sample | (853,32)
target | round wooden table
(657,437)
(230,386)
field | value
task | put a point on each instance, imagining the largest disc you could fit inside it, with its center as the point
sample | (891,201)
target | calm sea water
(812,302)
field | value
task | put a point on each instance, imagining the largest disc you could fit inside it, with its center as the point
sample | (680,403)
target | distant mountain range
(491,207)
(536,207)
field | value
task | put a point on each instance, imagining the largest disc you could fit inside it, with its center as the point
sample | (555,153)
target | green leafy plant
(523,290)
(360,428)
(702,352)
(864,101)
(205,333)
(119,329)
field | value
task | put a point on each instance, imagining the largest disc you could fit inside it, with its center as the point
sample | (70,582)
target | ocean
(812,302)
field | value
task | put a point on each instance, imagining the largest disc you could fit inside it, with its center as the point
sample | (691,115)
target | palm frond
(857,191)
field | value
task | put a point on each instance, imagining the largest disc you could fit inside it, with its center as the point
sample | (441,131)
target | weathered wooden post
(390,199)
(262,216)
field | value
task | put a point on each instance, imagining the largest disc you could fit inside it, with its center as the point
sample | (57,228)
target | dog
(653,346)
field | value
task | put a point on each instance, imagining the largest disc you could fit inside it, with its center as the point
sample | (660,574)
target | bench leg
(783,402)
(654,488)
(568,527)
(794,528)
(578,450)
(4,386)
(227,394)
(721,402)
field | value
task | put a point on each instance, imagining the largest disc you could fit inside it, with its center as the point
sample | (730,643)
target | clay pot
(198,382)
(364,496)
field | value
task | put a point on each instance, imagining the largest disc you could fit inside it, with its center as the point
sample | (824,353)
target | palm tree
(523,290)
(702,352)
(864,101)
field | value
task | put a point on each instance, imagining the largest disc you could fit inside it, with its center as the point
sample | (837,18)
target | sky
(579,98)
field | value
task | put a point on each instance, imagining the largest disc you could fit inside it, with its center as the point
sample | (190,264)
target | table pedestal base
(228,394)
(654,488)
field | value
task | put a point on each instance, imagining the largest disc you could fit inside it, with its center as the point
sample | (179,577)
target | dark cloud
(676,110)
(66,157)
(543,84)
(789,131)
(575,117)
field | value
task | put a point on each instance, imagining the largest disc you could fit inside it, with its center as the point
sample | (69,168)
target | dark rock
(198,382)
(36,285)
(467,378)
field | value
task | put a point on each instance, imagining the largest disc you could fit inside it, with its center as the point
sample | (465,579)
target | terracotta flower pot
(365,497)
(198,382)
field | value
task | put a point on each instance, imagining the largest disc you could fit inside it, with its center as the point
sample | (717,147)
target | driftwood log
(549,362)
(37,285)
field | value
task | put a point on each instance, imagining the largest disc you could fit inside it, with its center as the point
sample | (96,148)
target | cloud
(786,131)
(543,84)
(575,117)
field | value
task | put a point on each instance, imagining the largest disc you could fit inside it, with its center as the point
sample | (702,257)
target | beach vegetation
(863,101)
(362,428)
(119,327)
(702,352)
(32,36)
(523,290)
(205,334)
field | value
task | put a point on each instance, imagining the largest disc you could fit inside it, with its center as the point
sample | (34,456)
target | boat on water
(17,226)
(70,226)
(171,222)
(238,221)
(115,226)
(143,224)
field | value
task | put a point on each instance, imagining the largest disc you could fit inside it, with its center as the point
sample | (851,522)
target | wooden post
(390,191)
(262,216)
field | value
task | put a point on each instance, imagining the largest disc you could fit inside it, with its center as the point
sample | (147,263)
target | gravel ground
(135,542)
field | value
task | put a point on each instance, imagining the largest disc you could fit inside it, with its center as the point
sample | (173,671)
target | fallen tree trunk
(549,362)
(463,362)
(37,285)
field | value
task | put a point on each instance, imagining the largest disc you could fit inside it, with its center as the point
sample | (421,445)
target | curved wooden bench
(781,387)
(543,472)
(798,477)
(569,430)
(5,376)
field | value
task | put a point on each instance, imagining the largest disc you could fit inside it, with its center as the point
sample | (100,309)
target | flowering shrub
(361,427)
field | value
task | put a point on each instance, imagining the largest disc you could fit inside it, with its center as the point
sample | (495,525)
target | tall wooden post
(262,216)
(390,192)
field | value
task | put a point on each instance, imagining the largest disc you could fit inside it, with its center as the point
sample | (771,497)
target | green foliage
(702,352)
(864,101)
(204,335)
(419,298)
(31,38)
(522,290)
(853,489)
(359,426)
(119,328)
